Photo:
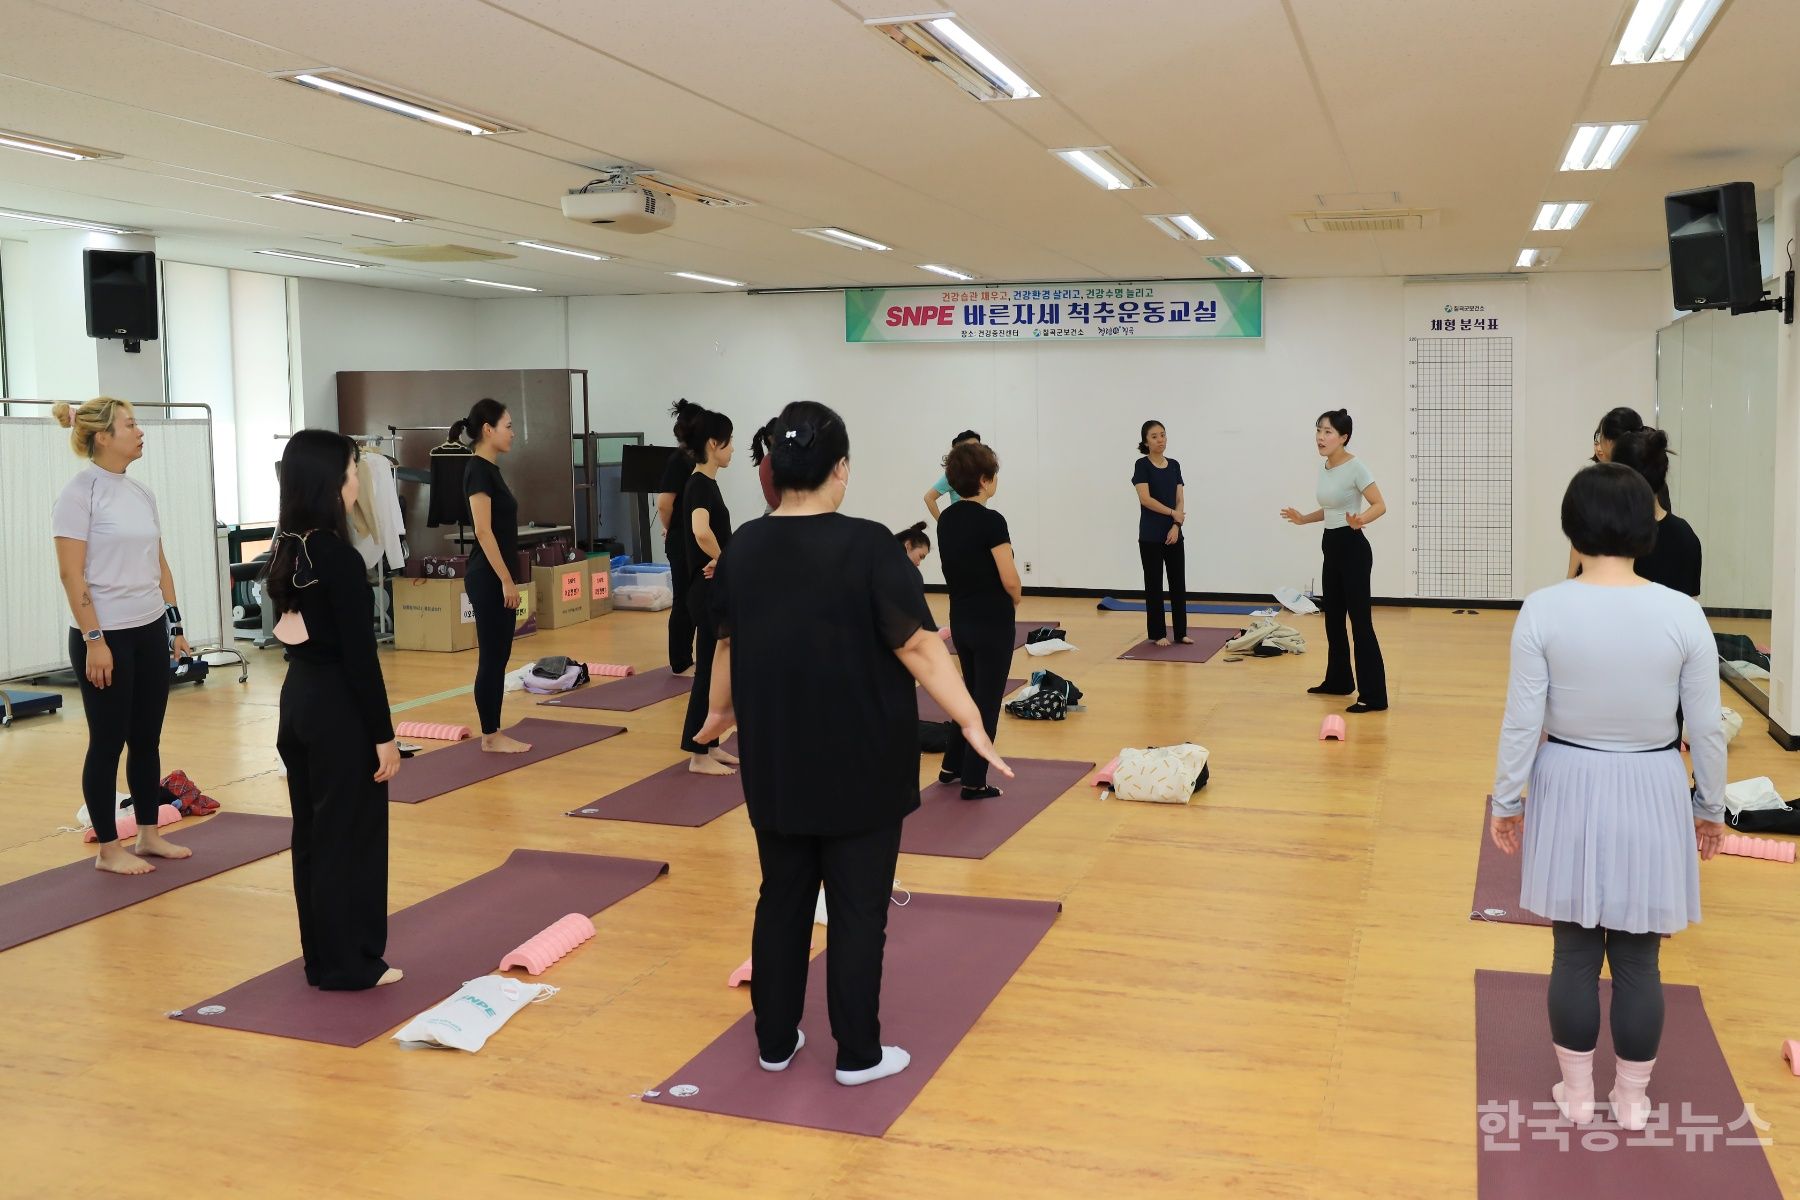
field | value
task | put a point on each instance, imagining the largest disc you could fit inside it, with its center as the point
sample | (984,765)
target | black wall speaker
(1713,257)
(121,294)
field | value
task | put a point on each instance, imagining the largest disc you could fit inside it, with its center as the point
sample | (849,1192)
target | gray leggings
(1637,997)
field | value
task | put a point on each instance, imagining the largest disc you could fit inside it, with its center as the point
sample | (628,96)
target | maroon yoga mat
(628,694)
(672,796)
(1526,1151)
(1023,629)
(440,943)
(1497,880)
(947,958)
(931,710)
(948,826)
(464,763)
(1207,642)
(68,895)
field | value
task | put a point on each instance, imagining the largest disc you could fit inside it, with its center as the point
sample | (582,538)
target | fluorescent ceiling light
(1104,167)
(1181,227)
(64,150)
(698,278)
(1559,216)
(941,42)
(1664,30)
(330,262)
(1231,262)
(843,237)
(947,272)
(569,250)
(1599,147)
(63,222)
(382,96)
(343,206)
(511,287)
(1535,256)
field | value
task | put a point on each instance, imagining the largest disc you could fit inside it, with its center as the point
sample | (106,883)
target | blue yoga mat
(1114,604)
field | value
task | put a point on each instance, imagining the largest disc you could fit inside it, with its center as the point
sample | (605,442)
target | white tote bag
(466,1020)
(1163,775)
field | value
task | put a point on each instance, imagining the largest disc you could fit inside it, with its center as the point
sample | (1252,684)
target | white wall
(16,301)
(347,327)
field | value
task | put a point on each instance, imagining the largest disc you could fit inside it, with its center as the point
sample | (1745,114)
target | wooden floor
(1266,994)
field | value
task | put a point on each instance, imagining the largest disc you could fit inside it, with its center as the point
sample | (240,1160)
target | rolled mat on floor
(672,796)
(432,731)
(440,771)
(1525,1150)
(947,826)
(456,935)
(931,710)
(628,694)
(610,670)
(1207,642)
(947,958)
(1114,604)
(68,895)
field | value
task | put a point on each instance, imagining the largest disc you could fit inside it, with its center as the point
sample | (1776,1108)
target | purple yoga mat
(1497,880)
(1207,642)
(68,895)
(672,796)
(947,958)
(465,763)
(931,710)
(1022,629)
(947,826)
(1526,1151)
(440,943)
(628,694)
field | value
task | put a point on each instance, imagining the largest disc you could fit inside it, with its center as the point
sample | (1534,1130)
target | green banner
(1194,308)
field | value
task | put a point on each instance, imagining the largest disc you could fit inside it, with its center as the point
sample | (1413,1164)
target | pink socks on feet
(1575,1094)
(1630,1101)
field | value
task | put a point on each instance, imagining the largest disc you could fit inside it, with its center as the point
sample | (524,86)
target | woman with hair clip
(494,512)
(126,628)
(765,467)
(668,497)
(824,635)
(1162,510)
(916,542)
(705,527)
(336,738)
(1674,561)
(1345,483)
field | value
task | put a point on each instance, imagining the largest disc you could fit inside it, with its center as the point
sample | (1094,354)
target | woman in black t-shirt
(668,498)
(976,552)
(824,632)
(1674,562)
(1162,510)
(704,525)
(493,595)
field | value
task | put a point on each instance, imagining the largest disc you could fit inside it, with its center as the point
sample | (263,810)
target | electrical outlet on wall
(1028,568)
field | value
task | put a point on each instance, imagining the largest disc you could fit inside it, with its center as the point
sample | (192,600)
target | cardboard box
(561,593)
(599,587)
(432,614)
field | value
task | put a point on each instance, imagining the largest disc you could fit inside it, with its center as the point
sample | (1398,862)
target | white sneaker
(799,1041)
(893,1061)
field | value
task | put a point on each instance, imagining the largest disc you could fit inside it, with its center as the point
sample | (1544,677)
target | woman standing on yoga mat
(704,524)
(1617,423)
(942,489)
(1599,664)
(494,513)
(674,481)
(1674,561)
(1345,482)
(126,630)
(823,632)
(1162,510)
(976,551)
(335,737)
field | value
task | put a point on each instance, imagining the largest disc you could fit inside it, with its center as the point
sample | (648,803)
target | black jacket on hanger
(448,506)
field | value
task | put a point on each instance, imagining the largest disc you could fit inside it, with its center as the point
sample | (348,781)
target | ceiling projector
(626,209)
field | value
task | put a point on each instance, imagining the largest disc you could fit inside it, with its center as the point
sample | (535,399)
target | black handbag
(1766,820)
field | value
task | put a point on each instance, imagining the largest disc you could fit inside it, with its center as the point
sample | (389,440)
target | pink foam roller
(739,976)
(1104,778)
(1790,1052)
(1755,847)
(1333,727)
(432,731)
(614,670)
(168,814)
(536,955)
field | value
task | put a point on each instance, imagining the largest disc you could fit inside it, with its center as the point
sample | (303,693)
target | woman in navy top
(1162,508)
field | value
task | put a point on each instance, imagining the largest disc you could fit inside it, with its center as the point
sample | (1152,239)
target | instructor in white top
(1345,482)
(127,628)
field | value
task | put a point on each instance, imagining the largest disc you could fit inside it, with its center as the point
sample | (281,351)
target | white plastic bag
(1162,775)
(1750,795)
(1047,646)
(466,1020)
(1294,600)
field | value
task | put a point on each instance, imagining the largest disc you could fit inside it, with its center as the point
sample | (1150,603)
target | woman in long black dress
(704,524)
(824,631)
(335,736)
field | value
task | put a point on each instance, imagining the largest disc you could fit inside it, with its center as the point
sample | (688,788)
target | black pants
(340,848)
(1156,556)
(858,874)
(495,625)
(125,717)
(1348,562)
(681,621)
(705,643)
(1637,996)
(986,654)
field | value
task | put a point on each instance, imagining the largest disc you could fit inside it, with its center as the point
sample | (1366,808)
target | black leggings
(681,621)
(1348,564)
(495,625)
(126,716)
(1637,996)
(698,597)
(1155,556)
(986,654)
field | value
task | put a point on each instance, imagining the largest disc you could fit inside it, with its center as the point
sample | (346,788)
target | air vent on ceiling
(433,254)
(1386,220)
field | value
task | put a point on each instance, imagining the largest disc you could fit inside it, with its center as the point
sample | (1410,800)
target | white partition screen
(35,463)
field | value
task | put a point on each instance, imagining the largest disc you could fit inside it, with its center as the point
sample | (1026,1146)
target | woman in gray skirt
(1598,664)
